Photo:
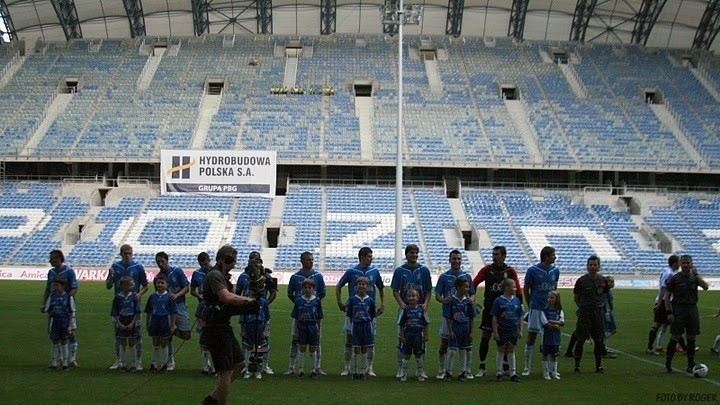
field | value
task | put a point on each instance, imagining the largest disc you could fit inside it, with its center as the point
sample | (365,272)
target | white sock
(716,343)
(499,362)
(156,357)
(442,358)
(203,360)
(301,361)
(553,367)
(355,361)
(121,354)
(511,362)
(421,364)
(54,354)
(293,355)
(65,354)
(73,350)
(138,350)
(365,362)
(659,339)
(528,356)
(369,357)
(450,360)
(171,353)
(135,357)
(314,356)
(404,365)
(468,360)
(165,356)
(545,367)
(318,352)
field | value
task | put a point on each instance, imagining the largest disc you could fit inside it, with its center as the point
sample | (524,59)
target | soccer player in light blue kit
(178,287)
(363,269)
(60,269)
(459,315)
(126,266)
(161,311)
(60,307)
(507,315)
(413,333)
(540,279)
(411,275)
(444,291)
(361,313)
(126,311)
(295,291)
(307,315)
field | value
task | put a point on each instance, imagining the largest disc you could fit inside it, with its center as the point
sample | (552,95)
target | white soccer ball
(700,370)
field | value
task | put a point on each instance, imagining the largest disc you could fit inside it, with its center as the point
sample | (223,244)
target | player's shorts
(534,320)
(58,329)
(550,350)
(182,321)
(254,334)
(486,322)
(462,336)
(413,344)
(660,315)
(444,331)
(308,333)
(348,326)
(159,327)
(590,324)
(610,326)
(363,334)
(223,346)
(687,320)
(506,338)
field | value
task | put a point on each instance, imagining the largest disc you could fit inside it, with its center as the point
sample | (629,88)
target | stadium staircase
(9,70)
(701,75)
(323,228)
(324,119)
(291,65)
(434,79)
(571,76)
(209,106)
(666,117)
(420,231)
(519,114)
(522,241)
(476,107)
(150,68)
(364,111)
(56,107)
(474,257)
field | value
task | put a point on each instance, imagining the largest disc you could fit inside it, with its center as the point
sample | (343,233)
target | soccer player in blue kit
(363,269)
(540,279)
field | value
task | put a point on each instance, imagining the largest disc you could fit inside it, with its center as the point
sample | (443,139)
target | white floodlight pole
(398,164)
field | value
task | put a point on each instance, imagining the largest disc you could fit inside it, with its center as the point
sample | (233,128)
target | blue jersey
(295,285)
(134,270)
(360,309)
(197,279)
(351,275)
(418,278)
(541,280)
(65,271)
(508,312)
(125,307)
(160,305)
(307,309)
(460,310)
(176,282)
(261,317)
(60,307)
(551,336)
(445,286)
(413,319)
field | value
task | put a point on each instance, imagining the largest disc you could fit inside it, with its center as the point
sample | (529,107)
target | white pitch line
(632,356)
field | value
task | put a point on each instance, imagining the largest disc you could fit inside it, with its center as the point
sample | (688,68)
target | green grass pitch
(634,377)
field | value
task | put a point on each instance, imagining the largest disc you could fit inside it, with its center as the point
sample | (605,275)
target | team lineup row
(167,312)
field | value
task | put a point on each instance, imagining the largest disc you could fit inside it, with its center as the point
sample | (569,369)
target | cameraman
(222,344)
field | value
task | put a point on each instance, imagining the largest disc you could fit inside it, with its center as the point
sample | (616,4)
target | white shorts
(534,320)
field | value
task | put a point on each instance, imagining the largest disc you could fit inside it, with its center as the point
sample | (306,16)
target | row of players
(502,312)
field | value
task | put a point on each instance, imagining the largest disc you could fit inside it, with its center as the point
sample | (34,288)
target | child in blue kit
(60,307)
(307,315)
(361,311)
(413,333)
(125,312)
(459,314)
(553,318)
(507,313)
(161,313)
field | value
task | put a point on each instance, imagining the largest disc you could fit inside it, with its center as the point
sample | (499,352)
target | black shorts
(660,315)
(486,323)
(687,320)
(590,324)
(223,346)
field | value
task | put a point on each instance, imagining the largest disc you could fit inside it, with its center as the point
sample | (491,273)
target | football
(700,370)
